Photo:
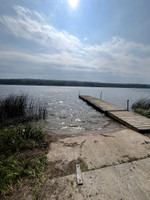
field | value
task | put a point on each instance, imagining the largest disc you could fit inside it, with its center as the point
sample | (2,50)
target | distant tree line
(69,83)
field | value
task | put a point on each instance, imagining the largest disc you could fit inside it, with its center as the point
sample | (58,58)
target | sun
(73,3)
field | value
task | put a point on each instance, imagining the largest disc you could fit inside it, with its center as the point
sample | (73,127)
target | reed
(142,107)
(16,109)
(22,145)
(142,104)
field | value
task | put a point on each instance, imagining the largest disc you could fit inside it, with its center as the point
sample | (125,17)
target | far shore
(40,82)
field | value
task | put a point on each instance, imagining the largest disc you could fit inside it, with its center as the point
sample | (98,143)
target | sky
(83,40)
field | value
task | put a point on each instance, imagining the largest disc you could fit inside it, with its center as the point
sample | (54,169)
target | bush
(16,109)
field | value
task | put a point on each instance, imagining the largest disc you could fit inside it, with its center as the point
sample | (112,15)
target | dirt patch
(74,144)
(23,190)
(55,188)
(57,179)
(59,168)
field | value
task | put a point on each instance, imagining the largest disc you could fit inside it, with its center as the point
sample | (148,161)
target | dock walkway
(130,119)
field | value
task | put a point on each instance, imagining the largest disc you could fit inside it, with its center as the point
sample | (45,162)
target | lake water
(69,114)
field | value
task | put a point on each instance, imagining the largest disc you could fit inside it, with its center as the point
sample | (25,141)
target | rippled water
(69,114)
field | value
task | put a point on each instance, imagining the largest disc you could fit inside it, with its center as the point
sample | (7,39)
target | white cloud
(30,25)
(67,52)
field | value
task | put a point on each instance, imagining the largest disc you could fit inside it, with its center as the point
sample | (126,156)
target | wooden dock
(130,119)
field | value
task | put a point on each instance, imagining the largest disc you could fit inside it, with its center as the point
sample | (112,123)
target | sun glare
(73,3)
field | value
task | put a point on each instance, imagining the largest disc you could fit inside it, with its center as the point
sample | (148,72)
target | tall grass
(142,104)
(16,158)
(23,147)
(16,109)
(142,107)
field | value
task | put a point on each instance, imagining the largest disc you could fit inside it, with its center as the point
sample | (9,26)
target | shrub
(16,109)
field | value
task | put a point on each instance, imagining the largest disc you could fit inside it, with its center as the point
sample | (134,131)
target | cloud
(64,51)
(31,26)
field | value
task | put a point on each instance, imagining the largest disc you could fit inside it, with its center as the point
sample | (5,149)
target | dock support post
(128,105)
(101,96)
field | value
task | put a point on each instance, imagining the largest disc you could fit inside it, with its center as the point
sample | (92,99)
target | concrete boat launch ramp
(131,120)
(114,166)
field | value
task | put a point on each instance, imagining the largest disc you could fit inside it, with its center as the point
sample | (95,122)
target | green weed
(17,139)
(142,107)
(16,158)
(143,112)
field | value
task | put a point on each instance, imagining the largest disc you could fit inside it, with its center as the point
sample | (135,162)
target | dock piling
(127,105)
(101,96)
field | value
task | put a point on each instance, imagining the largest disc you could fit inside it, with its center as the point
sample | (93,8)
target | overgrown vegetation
(142,107)
(142,104)
(23,146)
(142,112)
(16,109)
(23,154)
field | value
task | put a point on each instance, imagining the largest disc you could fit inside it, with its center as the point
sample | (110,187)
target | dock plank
(134,121)
(130,119)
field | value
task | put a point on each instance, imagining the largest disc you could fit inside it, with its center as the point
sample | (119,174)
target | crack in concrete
(134,159)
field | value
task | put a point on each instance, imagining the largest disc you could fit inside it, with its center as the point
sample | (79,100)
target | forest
(41,82)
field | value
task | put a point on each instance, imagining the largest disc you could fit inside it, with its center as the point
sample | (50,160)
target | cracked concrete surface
(129,181)
(99,150)
(118,167)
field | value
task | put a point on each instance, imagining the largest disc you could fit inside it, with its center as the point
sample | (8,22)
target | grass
(16,109)
(142,104)
(23,154)
(143,112)
(142,107)
(23,146)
